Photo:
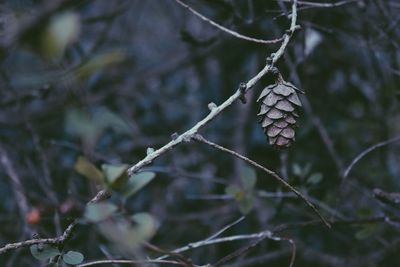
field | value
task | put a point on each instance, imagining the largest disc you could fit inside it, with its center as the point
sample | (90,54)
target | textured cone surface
(278,113)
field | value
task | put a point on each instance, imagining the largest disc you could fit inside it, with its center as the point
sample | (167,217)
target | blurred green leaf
(85,168)
(90,126)
(126,235)
(315,178)
(97,212)
(243,197)
(99,62)
(80,124)
(104,118)
(62,30)
(246,204)
(115,174)
(44,251)
(235,191)
(137,181)
(248,177)
(73,257)
(145,226)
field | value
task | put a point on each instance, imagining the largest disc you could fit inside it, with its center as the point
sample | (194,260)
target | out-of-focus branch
(130,262)
(57,240)
(231,32)
(316,121)
(67,234)
(16,185)
(391,198)
(365,152)
(201,139)
(207,242)
(253,244)
(316,4)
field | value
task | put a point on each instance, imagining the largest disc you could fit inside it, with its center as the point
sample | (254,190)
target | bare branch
(207,242)
(201,139)
(16,185)
(93,263)
(323,5)
(231,32)
(226,228)
(67,234)
(391,198)
(368,150)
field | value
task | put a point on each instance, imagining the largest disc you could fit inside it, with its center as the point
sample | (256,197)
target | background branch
(201,139)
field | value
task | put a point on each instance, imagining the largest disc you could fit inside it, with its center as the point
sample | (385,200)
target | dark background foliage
(141,70)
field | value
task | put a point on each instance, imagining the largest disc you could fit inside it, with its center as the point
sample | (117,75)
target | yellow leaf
(85,168)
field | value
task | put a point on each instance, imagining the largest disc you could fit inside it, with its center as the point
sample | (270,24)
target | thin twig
(178,257)
(253,244)
(261,259)
(231,32)
(368,150)
(391,198)
(322,5)
(316,121)
(202,243)
(67,234)
(226,228)
(334,223)
(237,252)
(27,243)
(16,185)
(201,139)
(93,263)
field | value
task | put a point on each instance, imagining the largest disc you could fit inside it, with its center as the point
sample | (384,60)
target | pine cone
(278,112)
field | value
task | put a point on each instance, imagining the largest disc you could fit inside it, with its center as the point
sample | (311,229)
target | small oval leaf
(115,174)
(96,212)
(44,251)
(85,168)
(73,257)
(137,182)
(248,177)
(234,191)
(246,204)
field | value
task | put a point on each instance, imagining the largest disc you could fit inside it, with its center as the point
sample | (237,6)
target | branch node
(149,150)
(197,137)
(174,136)
(212,106)
(187,138)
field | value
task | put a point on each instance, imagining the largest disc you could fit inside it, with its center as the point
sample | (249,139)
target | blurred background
(85,84)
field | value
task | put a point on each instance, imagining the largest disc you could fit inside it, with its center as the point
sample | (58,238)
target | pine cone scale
(272,99)
(285,105)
